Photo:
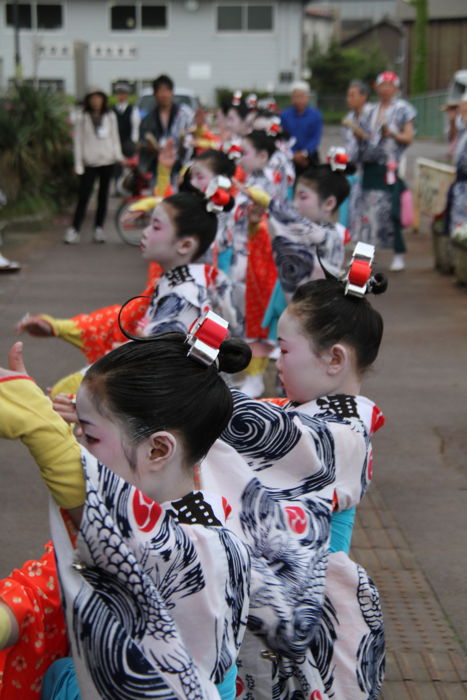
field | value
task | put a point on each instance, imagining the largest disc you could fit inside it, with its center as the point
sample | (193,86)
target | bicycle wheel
(130,224)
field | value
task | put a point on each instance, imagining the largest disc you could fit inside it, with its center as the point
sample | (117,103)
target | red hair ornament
(233,149)
(359,277)
(205,337)
(337,158)
(218,194)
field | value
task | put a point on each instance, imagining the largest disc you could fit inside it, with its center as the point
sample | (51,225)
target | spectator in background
(128,121)
(96,150)
(392,130)
(168,120)
(305,124)
(355,135)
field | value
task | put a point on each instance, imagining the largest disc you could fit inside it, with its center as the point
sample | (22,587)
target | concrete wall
(191,49)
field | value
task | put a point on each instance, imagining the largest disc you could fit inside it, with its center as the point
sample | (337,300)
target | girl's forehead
(305,186)
(203,166)
(161,212)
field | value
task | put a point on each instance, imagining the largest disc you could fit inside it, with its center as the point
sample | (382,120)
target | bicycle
(130,221)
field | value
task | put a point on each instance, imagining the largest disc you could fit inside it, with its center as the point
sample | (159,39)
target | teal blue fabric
(344,207)
(341,530)
(224,260)
(228,688)
(277,304)
(60,682)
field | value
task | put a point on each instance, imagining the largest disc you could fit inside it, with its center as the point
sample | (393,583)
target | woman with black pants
(96,150)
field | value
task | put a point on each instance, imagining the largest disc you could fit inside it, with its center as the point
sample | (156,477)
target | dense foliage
(36,160)
(333,69)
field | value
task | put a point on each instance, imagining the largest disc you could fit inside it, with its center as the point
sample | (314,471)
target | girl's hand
(255,213)
(16,366)
(35,326)
(65,406)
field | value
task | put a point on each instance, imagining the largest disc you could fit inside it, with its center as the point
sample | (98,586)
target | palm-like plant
(35,140)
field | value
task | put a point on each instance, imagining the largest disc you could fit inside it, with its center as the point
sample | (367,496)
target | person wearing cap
(96,146)
(305,125)
(127,117)
(128,121)
(391,131)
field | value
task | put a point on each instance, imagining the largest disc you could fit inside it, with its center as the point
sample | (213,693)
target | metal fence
(430,122)
(431,119)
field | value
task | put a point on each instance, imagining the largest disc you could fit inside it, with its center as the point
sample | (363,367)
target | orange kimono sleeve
(32,594)
(261,278)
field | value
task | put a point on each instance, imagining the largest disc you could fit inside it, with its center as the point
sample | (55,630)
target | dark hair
(262,141)
(154,385)
(362,87)
(219,162)
(87,102)
(193,219)
(162,80)
(328,182)
(329,316)
(241,108)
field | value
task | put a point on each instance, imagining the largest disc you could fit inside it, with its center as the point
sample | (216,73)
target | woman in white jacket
(96,150)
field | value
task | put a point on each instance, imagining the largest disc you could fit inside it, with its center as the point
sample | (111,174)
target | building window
(24,15)
(252,18)
(49,16)
(123,17)
(259,18)
(153,16)
(229,18)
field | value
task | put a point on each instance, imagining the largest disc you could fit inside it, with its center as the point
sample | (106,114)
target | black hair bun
(379,283)
(234,356)
(230,204)
(350,168)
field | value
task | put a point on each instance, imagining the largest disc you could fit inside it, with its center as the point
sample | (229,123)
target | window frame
(34,17)
(138,25)
(244,28)
(61,5)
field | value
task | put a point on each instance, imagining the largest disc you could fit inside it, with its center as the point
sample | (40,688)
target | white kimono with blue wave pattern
(280,480)
(279,471)
(157,607)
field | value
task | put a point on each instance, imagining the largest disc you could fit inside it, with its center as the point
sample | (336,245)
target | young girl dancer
(328,340)
(153,563)
(181,230)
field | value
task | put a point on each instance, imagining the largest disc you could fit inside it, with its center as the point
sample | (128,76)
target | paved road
(420,382)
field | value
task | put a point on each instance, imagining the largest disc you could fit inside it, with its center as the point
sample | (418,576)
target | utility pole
(419,81)
(18,67)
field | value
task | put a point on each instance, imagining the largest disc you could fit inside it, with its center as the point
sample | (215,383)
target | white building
(201,44)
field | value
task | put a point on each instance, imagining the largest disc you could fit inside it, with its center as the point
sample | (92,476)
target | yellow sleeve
(66,329)
(26,413)
(259,196)
(163,179)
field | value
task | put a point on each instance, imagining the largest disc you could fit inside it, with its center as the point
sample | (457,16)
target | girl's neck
(173,264)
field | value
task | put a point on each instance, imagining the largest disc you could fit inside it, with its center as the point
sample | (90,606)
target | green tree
(36,162)
(419,76)
(332,70)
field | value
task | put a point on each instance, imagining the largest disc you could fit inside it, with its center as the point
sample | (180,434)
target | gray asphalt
(419,381)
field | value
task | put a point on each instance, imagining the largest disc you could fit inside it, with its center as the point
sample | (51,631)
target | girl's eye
(284,352)
(90,440)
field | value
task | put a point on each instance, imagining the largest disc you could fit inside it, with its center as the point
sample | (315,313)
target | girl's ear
(187,246)
(330,204)
(337,357)
(161,447)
